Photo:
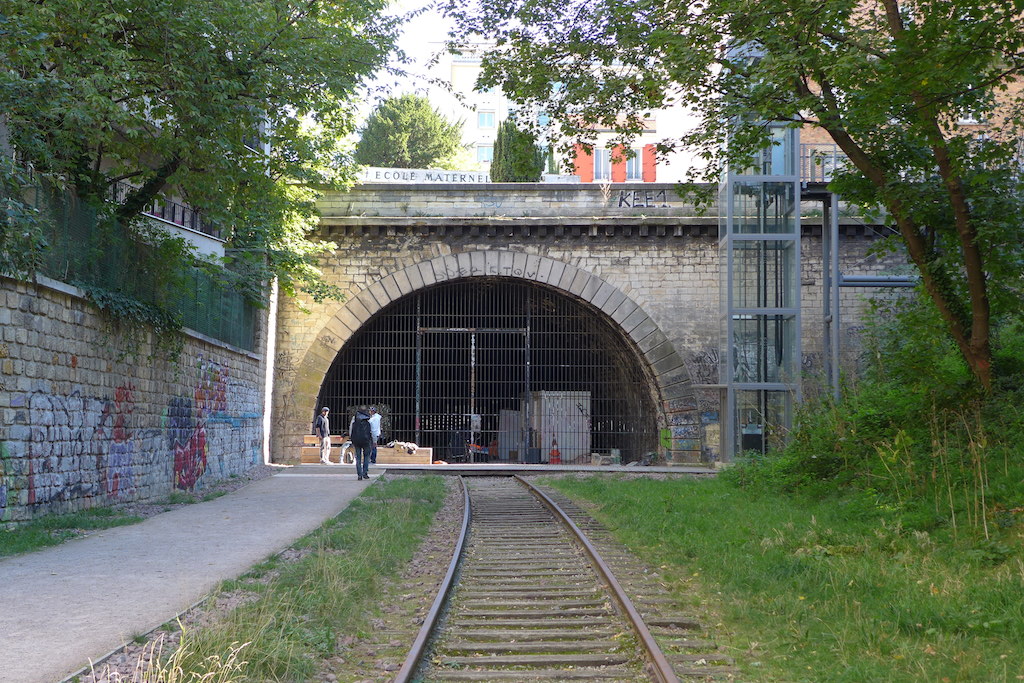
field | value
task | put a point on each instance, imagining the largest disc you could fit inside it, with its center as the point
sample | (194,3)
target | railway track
(535,601)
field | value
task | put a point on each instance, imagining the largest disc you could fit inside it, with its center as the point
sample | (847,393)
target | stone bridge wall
(653,269)
(85,423)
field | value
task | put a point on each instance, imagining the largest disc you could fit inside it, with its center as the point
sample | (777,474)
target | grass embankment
(827,589)
(299,609)
(56,529)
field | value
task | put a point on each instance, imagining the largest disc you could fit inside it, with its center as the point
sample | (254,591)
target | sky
(423,36)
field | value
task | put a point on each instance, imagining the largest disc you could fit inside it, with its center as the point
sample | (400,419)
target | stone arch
(670,375)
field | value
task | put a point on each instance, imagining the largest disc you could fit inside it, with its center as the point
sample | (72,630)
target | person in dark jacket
(361,435)
(322,429)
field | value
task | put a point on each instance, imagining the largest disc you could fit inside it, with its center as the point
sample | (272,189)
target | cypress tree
(517,157)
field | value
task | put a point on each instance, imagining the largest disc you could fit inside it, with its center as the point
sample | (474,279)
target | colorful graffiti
(187,419)
(74,446)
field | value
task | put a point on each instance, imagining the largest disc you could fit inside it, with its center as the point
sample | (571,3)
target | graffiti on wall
(116,416)
(3,480)
(187,418)
(703,366)
(74,446)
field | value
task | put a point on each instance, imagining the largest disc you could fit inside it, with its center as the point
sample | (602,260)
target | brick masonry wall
(84,422)
(671,272)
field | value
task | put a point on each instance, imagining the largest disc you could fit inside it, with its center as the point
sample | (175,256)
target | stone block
(634,319)
(624,310)
(477,265)
(404,285)
(519,264)
(465,265)
(390,286)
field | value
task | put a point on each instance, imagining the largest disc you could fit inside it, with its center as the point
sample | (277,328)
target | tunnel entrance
(497,370)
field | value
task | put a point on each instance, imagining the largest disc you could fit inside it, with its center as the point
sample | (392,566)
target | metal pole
(419,370)
(834,230)
(827,284)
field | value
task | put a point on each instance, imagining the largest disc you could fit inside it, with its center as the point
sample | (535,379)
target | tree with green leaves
(517,156)
(406,132)
(238,108)
(887,80)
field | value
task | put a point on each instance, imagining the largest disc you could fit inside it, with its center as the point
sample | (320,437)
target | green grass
(827,590)
(56,529)
(179,498)
(296,618)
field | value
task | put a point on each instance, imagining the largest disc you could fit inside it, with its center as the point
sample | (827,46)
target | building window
(602,164)
(485,153)
(635,166)
(485,119)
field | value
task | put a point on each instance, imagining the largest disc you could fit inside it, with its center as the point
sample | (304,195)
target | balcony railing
(172,212)
(818,162)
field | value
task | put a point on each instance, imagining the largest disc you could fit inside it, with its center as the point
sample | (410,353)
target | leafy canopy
(517,157)
(236,107)
(886,80)
(406,132)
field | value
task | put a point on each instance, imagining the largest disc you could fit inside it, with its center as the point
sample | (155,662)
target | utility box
(510,435)
(560,425)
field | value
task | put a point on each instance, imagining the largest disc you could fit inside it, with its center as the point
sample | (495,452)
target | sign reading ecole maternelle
(372,174)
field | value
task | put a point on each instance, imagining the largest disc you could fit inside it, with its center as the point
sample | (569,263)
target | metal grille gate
(496,370)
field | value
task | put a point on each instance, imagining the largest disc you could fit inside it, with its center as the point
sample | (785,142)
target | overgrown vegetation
(884,543)
(915,433)
(299,609)
(810,589)
(55,529)
(245,130)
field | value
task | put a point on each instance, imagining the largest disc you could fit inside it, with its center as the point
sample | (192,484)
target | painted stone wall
(665,260)
(87,422)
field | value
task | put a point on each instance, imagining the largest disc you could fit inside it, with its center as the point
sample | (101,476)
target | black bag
(361,434)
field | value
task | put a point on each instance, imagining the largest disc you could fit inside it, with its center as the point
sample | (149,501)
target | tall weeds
(296,612)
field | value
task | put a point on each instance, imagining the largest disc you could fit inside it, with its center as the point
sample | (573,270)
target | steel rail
(419,645)
(661,668)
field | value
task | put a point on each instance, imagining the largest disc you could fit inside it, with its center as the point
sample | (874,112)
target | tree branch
(139,199)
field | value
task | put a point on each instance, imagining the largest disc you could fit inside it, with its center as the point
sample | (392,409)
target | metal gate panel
(460,366)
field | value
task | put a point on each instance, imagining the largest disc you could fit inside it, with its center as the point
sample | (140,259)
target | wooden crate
(399,456)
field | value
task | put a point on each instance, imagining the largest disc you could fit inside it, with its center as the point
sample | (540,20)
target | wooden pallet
(311,450)
(385,456)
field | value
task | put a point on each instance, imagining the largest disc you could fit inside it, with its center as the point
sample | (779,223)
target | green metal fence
(85,250)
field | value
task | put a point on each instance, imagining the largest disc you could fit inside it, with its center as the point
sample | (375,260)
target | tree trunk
(137,201)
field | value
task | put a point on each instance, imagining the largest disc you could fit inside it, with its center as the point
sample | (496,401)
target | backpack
(361,435)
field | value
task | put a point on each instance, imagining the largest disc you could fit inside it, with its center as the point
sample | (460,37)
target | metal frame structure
(759,243)
(833,279)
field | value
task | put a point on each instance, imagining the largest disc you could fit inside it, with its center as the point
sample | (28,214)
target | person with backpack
(361,435)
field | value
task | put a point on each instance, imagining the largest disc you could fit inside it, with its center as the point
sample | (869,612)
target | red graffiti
(120,477)
(187,422)
(190,460)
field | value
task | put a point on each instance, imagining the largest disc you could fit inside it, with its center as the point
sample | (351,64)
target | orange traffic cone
(555,456)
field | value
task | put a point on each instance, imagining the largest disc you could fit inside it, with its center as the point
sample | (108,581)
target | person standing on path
(322,429)
(362,439)
(374,433)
